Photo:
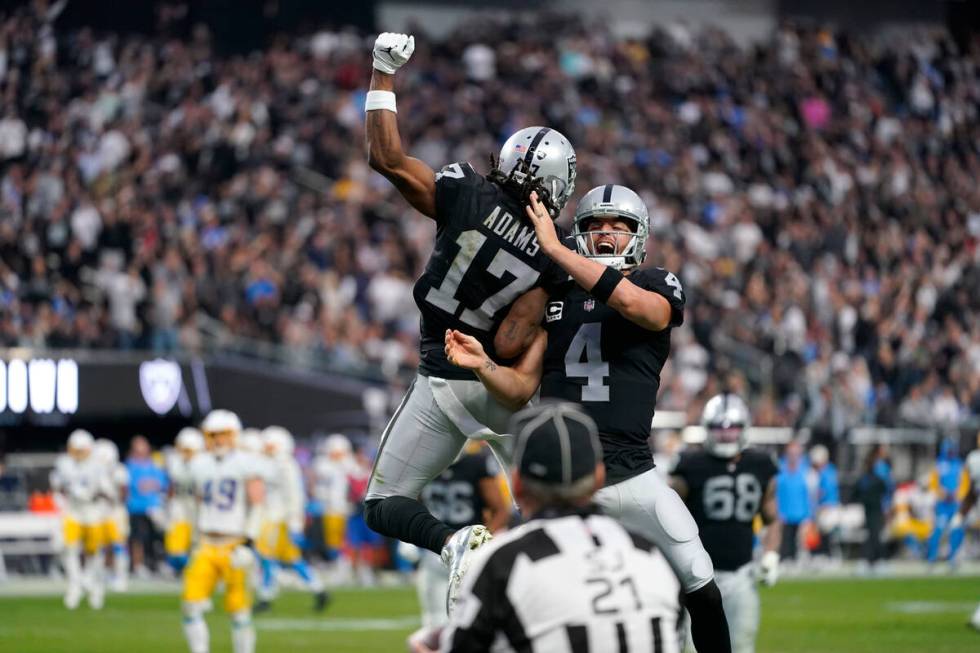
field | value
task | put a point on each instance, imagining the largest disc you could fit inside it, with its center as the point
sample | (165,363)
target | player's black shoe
(320,601)
(261,606)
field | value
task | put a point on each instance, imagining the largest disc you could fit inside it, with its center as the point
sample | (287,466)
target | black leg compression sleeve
(709,628)
(407,520)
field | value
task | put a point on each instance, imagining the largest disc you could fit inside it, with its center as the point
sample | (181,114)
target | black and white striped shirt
(567,583)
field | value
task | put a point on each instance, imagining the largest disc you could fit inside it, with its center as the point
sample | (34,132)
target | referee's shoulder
(529,538)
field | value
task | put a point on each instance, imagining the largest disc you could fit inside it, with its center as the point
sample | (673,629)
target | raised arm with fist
(392,50)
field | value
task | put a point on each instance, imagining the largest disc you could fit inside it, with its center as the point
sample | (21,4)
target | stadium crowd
(816,194)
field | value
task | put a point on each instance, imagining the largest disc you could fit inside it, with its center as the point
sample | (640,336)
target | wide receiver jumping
(726,485)
(229,486)
(606,337)
(486,255)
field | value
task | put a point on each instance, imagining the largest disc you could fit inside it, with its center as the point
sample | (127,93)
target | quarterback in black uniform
(726,485)
(604,348)
(486,256)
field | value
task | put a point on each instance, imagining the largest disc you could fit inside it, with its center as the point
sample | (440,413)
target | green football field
(921,615)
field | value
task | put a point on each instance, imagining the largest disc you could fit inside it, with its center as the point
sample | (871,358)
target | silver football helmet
(725,420)
(541,159)
(612,200)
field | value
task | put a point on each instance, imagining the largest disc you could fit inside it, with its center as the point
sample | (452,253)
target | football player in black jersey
(604,348)
(486,255)
(472,490)
(726,485)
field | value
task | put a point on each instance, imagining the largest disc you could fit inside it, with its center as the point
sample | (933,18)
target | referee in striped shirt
(570,580)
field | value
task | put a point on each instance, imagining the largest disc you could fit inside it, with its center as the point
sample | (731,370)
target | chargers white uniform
(282,529)
(224,526)
(332,490)
(285,500)
(181,510)
(81,486)
(115,521)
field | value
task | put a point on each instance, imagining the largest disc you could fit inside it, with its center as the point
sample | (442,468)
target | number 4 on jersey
(588,340)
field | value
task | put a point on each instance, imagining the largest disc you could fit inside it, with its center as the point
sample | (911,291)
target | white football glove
(391,51)
(242,557)
(768,572)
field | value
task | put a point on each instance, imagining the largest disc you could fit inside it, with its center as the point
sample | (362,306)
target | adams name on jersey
(724,496)
(610,365)
(486,256)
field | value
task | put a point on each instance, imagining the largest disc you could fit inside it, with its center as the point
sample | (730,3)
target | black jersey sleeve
(454,186)
(663,282)
(554,277)
(682,466)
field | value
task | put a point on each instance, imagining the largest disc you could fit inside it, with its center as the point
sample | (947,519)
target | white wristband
(380,100)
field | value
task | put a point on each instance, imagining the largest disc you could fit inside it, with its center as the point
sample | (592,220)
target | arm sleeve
(553,277)
(665,283)
(454,184)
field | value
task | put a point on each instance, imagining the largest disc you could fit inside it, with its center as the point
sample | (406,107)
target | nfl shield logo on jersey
(160,383)
(589,304)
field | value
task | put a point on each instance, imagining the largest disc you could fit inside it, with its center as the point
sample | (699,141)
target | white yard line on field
(929,607)
(327,624)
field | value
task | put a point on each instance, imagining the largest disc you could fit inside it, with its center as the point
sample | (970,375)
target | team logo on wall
(160,382)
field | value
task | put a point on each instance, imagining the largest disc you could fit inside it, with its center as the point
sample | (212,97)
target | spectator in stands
(792,498)
(147,491)
(833,235)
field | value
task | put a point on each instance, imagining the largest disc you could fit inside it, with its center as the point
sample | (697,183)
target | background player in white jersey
(115,522)
(485,256)
(281,539)
(182,502)
(251,441)
(78,480)
(332,468)
(973,470)
(726,485)
(228,485)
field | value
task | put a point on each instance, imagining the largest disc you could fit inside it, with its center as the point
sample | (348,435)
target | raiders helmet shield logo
(160,382)
(553,311)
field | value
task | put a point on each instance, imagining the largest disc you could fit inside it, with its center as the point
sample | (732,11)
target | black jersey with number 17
(611,366)
(486,255)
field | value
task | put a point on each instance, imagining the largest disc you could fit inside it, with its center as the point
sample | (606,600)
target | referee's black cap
(557,443)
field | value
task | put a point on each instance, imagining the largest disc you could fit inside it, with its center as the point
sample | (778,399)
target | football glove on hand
(768,572)
(391,51)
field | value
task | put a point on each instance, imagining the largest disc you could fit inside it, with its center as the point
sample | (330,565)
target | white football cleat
(73,597)
(975,619)
(96,598)
(457,555)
